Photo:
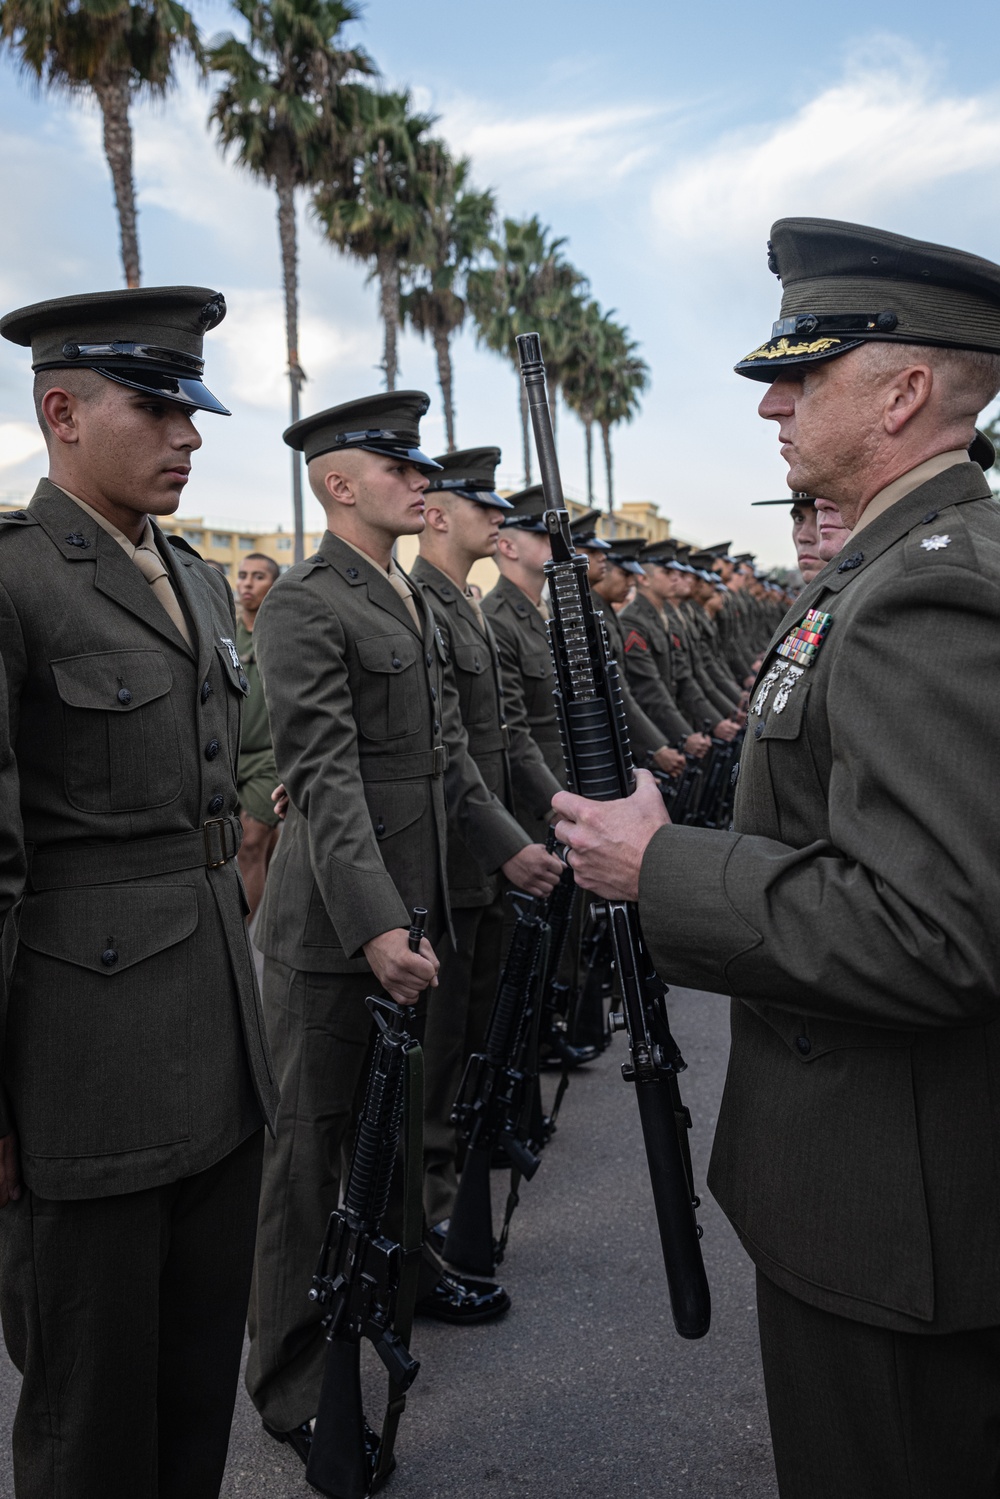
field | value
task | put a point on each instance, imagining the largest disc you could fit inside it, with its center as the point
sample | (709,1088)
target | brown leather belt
(208,847)
(409,767)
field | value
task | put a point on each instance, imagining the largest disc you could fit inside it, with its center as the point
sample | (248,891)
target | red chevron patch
(634,638)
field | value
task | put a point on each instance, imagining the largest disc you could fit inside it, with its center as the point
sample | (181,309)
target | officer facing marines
(135,1074)
(852,912)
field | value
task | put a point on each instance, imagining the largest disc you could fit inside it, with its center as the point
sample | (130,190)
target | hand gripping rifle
(599,765)
(367,1282)
(495,1093)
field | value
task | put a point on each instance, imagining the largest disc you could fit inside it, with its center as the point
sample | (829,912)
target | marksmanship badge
(802,645)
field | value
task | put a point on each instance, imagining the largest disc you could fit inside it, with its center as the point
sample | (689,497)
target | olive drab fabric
(504,751)
(369,743)
(644,735)
(852,914)
(134,1049)
(528,682)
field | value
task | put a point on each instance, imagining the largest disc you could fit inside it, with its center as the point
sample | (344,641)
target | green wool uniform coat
(645,737)
(369,743)
(528,684)
(133,1051)
(649,658)
(853,915)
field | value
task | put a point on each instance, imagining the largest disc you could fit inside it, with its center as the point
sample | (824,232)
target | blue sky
(661,140)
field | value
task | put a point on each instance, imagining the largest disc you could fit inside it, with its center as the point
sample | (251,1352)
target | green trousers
(458,1012)
(125,1316)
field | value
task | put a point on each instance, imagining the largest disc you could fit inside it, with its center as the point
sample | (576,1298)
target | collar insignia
(935,543)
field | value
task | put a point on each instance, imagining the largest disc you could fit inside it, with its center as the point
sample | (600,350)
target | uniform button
(109,957)
(803,1044)
(124,696)
(758,729)
(212,749)
(379,829)
(396,662)
(437,727)
(433,694)
(243,682)
(216,805)
(476,663)
(206,691)
(428,658)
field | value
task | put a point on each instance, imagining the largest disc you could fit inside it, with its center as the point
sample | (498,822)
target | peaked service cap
(470,472)
(149,339)
(847,284)
(527,510)
(387,423)
(624,553)
(584,533)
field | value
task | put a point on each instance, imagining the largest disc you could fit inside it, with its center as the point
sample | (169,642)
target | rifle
(360,1275)
(599,765)
(496,1089)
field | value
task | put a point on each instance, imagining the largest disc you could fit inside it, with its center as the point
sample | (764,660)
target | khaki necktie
(399,583)
(149,562)
(476,607)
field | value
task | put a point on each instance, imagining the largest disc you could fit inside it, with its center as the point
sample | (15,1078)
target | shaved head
(84,385)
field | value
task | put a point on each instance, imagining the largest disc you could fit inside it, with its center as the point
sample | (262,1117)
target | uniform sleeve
(488,830)
(534,783)
(301,652)
(892,919)
(650,691)
(12,856)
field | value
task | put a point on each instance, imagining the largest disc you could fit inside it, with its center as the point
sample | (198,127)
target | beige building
(227,544)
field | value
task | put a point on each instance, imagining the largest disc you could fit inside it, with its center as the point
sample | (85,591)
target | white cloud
(18,442)
(858,148)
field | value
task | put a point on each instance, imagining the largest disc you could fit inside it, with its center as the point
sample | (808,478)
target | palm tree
(375,208)
(624,377)
(117,50)
(583,369)
(515,294)
(281,107)
(456,230)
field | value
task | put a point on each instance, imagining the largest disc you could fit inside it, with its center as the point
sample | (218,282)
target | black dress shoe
(462,1301)
(299,1438)
(565,1055)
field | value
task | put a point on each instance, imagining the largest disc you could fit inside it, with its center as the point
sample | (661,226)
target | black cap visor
(778,354)
(627,565)
(526,523)
(184,389)
(485,497)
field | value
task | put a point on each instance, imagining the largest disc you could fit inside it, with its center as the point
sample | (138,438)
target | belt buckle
(440,759)
(216,822)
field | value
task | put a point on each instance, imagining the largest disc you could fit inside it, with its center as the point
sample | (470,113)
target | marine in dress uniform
(135,1074)
(852,911)
(369,744)
(463,512)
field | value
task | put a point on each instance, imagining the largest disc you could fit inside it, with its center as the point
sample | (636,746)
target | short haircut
(972,376)
(86,385)
(263,557)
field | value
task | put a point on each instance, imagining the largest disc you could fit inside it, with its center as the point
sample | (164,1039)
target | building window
(247,543)
(194,537)
(284,543)
(220,539)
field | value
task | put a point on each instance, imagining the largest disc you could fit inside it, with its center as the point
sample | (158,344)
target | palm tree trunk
(588,430)
(114,98)
(442,347)
(290,276)
(525,432)
(606,435)
(388,277)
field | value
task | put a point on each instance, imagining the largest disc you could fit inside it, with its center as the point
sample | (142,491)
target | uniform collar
(906,484)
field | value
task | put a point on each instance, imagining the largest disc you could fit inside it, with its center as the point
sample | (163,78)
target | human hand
(534,870)
(10,1169)
(404,975)
(698,745)
(726,729)
(279,797)
(669,760)
(606,840)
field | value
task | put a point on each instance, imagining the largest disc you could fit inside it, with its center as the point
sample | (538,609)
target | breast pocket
(391,696)
(120,746)
(237,691)
(475,684)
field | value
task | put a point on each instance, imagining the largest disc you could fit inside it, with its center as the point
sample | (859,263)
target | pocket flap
(395,805)
(809,1037)
(387,653)
(536,666)
(470,658)
(114,681)
(108,928)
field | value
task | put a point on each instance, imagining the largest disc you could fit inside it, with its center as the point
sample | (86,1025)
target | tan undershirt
(396,582)
(147,560)
(906,484)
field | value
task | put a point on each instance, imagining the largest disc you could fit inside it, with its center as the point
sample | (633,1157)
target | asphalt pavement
(584,1390)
